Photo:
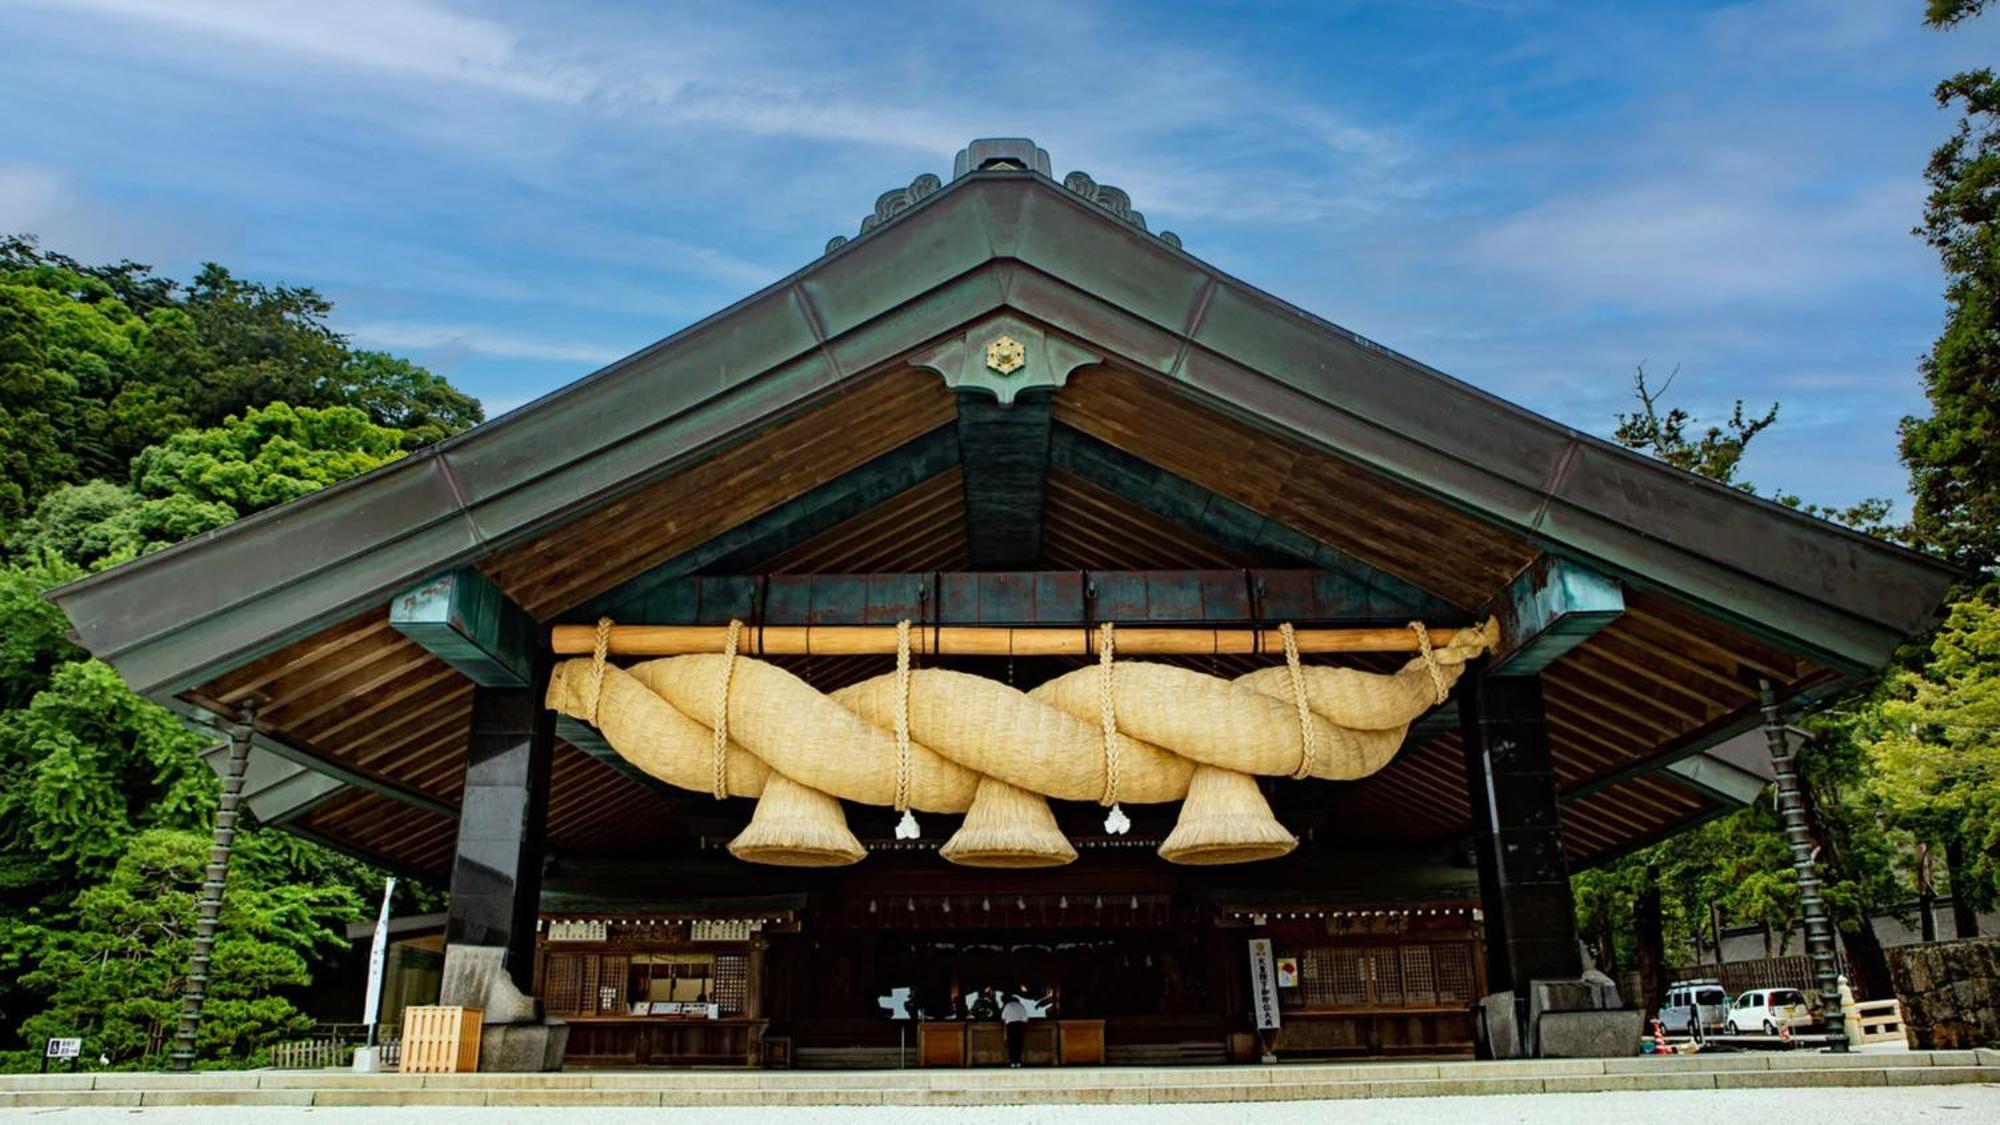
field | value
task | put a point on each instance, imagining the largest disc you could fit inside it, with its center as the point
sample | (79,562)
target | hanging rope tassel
(906,828)
(1115,822)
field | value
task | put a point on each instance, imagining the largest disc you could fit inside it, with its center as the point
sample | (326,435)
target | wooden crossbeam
(1029,597)
(975,640)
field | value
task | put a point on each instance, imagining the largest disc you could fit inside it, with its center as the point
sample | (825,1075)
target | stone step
(1000,1087)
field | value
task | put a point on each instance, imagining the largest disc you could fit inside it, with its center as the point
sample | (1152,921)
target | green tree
(34,639)
(98,363)
(1715,452)
(266,457)
(1935,742)
(114,972)
(403,396)
(99,524)
(89,762)
(1954,453)
(134,413)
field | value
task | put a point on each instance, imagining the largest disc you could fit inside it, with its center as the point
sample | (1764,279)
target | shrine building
(1007,599)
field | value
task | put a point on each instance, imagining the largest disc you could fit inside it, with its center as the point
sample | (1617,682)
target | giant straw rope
(935,740)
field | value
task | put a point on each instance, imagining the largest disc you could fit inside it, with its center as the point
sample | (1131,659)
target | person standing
(1014,1015)
(984,1005)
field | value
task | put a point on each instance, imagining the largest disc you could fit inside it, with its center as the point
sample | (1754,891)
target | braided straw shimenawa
(977,745)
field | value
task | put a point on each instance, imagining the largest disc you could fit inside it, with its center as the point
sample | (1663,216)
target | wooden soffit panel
(1386,525)
(600,549)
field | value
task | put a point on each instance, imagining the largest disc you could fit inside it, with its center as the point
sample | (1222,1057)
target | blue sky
(1534,196)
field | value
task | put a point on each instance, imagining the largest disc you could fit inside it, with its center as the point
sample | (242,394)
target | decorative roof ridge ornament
(1000,154)
(892,203)
(1115,201)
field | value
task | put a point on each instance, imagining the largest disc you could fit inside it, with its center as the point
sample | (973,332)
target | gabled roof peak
(1000,154)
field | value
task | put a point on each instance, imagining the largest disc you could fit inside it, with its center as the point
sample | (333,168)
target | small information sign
(65,1048)
(1263,984)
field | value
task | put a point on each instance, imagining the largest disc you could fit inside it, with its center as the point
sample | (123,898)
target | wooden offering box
(940,1043)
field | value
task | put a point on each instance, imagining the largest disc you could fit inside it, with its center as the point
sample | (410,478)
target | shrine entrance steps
(1103,1085)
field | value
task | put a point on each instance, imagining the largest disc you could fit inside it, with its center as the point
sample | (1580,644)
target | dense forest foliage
(1902,775)
(135,412)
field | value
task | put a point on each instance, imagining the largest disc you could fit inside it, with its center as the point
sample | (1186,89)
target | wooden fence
(333,1045)
(311,1054)
(1795,971)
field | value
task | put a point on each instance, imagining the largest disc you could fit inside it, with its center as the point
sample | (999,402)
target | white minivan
(1704,999)
(1769,1010)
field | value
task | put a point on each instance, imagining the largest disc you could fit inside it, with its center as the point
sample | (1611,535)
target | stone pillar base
(513,1048)
(1559,1019)
(513,1037)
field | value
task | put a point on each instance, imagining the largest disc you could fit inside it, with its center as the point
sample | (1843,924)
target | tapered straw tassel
(1008,827)
(797,826)
(1225,819)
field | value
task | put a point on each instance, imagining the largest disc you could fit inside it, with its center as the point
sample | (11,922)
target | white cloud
(1703,238)
(415,38)
(462,340)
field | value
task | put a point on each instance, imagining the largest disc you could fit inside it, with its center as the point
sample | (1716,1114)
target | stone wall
(1950,992)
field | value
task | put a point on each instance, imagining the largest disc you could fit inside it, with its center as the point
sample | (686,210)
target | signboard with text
(1263,984)
(65,1048)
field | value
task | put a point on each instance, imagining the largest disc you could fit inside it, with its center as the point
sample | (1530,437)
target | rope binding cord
(1308,733)
(1115,822)
(721,783)
(597,658)
(1430,660)
(906,828)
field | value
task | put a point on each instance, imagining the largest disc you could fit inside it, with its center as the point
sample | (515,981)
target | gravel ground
(1957,1104)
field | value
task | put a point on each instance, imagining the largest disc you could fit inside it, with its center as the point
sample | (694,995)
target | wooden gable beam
(1005,453)
(1551,607)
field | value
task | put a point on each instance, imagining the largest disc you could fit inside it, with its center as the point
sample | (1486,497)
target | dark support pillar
(1530,914)
(1541,1004)
(496,876)
(1791,810)
(209,909)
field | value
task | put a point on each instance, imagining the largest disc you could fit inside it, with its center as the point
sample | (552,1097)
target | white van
(1768,1010)
(1705,999)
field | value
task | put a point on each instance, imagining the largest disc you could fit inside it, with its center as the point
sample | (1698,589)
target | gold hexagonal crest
(1006,355)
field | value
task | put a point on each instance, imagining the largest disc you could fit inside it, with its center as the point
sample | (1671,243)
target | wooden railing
(311,1054)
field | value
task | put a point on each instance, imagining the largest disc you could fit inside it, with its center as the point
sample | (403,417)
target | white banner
(1263,984)
(378,956)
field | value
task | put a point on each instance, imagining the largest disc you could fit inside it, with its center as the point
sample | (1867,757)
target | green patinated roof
(997,240)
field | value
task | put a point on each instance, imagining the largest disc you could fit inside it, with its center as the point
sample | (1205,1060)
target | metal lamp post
(1791,810)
